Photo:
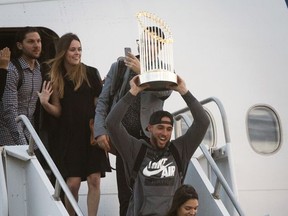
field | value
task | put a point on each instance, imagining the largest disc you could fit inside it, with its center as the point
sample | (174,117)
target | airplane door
(48,37)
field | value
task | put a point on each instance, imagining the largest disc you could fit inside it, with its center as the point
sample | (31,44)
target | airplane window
(264,131)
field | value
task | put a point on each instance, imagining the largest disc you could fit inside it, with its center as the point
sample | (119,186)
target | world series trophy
(156,52)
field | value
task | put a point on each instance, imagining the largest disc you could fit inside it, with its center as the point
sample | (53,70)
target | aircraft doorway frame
(48,37)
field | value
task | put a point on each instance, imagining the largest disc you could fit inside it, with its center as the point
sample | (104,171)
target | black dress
(76,156)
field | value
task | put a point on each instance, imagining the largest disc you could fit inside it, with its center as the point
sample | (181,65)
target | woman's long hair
(182,194)
(58,71)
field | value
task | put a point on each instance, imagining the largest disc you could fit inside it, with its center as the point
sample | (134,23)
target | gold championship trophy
(156,52)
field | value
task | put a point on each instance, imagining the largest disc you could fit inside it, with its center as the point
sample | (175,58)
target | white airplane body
(235,51)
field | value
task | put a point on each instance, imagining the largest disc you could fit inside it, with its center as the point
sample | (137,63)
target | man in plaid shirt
(21,99)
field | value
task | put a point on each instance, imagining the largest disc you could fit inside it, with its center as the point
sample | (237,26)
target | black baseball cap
(156,118)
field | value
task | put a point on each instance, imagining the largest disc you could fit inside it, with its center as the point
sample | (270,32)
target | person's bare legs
(93,196)
(73,184)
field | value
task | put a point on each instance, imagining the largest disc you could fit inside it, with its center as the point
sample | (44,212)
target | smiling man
(156,177)
(22,84)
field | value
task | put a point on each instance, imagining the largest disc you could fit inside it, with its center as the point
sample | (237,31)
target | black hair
(156,30)
(20,36)
(182,194)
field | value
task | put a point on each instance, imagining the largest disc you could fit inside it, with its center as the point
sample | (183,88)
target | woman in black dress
(71,96)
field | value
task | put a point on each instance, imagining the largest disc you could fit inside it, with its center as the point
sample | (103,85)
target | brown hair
(58,72)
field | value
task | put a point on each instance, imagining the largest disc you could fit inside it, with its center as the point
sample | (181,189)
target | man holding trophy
(137,117)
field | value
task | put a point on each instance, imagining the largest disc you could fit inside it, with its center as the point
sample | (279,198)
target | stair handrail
(34,139)
(179,115)
(4,197)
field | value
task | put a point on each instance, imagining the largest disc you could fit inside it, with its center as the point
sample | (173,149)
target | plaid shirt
(16,102)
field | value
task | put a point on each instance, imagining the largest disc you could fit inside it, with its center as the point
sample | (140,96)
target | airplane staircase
(26,190)
(211,171)
(24,186)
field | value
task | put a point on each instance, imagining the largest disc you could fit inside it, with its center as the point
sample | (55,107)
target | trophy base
(158,81)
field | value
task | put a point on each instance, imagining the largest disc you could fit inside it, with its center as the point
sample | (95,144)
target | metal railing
(3,187)
(60,183)
(220,181)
